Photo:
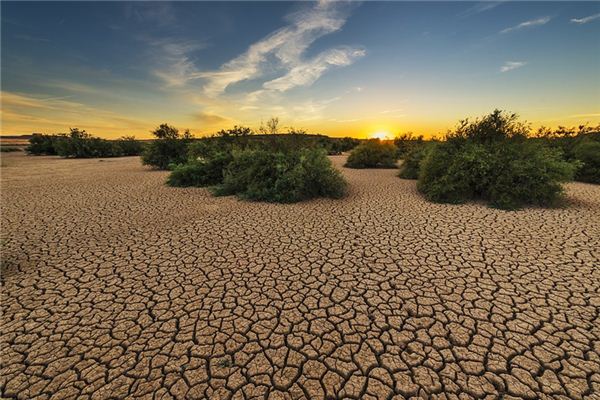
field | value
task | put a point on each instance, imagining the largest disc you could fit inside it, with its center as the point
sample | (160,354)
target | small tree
(169,148)
(373,154)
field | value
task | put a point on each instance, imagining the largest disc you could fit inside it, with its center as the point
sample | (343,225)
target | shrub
(169,148)
(491,159)
(80,144)
(128,146)
(200,173)
(407,142)
(40,144)
(5,149)
(588,153)
(282,177)
(373,154)
(412,161)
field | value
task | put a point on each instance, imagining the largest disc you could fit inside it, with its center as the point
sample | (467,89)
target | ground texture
(116,286)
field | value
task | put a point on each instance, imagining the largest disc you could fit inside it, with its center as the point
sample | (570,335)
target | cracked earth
(116,286)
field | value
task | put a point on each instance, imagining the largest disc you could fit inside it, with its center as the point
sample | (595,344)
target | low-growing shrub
(9,149)
(169,148)
(412,161)
(587,152)
(373,154)
(407,142)
(80,144)
(128,146)
(492,160)
(282,177)
(199,173)
(40,144)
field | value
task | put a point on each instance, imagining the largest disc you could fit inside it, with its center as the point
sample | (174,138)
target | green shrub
(40,144)
(169,148)
(501,167)
(80,144)
(128,146)
(412,161)
(7,149)
(282,177)
(528,173)
(200,173)
(588,153)
(407,142)
(373,154)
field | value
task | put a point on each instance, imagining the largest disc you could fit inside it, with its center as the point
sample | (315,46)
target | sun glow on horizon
(381,135)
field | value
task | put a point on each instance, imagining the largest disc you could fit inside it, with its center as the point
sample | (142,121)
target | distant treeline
(172,146)
(80,144)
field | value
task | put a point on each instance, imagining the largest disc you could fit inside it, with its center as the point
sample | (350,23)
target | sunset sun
(381,135)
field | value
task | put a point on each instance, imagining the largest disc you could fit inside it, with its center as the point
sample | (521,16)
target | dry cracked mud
(116,286)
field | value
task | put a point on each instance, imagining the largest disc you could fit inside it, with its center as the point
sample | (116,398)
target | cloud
(527,24)
(510,65)
(156,13)
(585,20)
(209,119)
(177,67)
(307,72)
(284,49)
(479,8)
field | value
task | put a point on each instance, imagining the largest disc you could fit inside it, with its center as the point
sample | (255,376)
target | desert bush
(587,152)
(40,144)
(373,154)
(407,142)
(412,161)
(337,146)
(9,149)
(199,173)
(128,146)
(491,159)
(80,144)
(262,175)
(169,148)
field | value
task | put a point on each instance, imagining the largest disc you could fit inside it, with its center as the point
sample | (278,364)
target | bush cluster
(169,148)
(587,152)
(491,159)
(373,154)
(412,160)
(407,143)
(80,144)
(9,149)
(273,168)
(582,146)
(280,177)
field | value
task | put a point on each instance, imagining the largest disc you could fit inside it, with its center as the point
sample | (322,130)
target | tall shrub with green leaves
(491,159)
(168,148)
(282,177)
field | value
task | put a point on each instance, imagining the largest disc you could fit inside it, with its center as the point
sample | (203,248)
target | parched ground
(116,286)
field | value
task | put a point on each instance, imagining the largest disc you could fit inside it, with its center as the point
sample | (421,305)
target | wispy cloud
(585,20)
(307,72)
(285,48)
(207,118)
(527,24)
(479,8)
(177,67)
(510,65)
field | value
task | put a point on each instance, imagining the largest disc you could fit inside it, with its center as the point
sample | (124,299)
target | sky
(330,67)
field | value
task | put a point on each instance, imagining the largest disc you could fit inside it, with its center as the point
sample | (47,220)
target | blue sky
(340,68)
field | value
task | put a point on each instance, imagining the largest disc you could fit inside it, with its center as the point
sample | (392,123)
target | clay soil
(117,286)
